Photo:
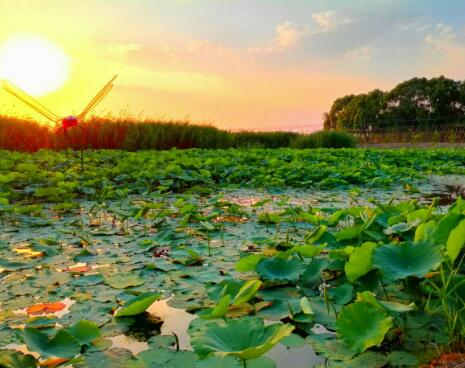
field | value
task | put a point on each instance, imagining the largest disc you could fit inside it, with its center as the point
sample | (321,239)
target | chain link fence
(411,131)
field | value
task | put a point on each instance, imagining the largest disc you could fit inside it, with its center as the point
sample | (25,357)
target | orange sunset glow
(243,65)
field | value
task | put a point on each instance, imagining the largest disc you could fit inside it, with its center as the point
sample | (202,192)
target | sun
(34,64)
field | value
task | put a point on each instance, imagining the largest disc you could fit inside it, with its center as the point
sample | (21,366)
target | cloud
(287,36)
(325,20)
(329,20)
(447,53)
(363,54)
(121,52)
(442,38)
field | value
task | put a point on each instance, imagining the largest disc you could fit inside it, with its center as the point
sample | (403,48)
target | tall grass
(324,139)
(129,134)
(264,139)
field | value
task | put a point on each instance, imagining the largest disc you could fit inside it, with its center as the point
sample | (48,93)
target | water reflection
(174,321)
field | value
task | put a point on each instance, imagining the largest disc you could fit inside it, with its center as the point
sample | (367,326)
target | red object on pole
(69,122)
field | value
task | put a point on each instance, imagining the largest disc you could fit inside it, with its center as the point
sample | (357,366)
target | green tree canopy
(416,101)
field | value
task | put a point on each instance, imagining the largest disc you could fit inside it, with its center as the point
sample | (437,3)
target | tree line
(417,101)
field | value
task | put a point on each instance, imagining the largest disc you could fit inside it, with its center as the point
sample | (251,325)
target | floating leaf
(246,338)
(137,305)
(402,359)
(15,359)
(278,269)
(312,273)
(398,261)
(62,345)
(269,218)
(85,331)
(216,361)
(362,326)
(44,308)
(78,269)
(248,263)
(342,294)
(124,280)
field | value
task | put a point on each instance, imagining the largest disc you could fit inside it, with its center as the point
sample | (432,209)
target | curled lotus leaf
(246,338)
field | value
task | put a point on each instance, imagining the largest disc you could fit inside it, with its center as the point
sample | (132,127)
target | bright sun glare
(34,64)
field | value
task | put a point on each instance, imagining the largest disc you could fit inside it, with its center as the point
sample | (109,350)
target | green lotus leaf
(84,331)
(12,266)
(62,345)
(308,251)
(246,338)
(113,357)
(400,227)
(367,359)
(220,309)
(456,241)
(444,227)
(278,269)
(329,348)
(360,261)
(389,306)
(342,294)
(216,361)
(249,263)
(402,359)
(14,359)
(312,274)
(362,326)
(137,305)
(247,292)
(269,218)
(398,261)
(124,280)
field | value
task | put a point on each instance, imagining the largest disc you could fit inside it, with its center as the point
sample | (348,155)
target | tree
(415,101)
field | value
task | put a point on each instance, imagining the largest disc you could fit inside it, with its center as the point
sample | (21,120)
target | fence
(410,131)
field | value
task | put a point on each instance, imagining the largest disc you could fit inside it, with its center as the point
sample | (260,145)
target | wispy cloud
(360,54)
(442,38)
(447,52)
(287,36)
(329,20)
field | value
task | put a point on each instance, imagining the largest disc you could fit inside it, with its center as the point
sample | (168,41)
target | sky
(237,64)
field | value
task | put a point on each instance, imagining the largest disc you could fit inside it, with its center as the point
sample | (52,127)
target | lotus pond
(233,258)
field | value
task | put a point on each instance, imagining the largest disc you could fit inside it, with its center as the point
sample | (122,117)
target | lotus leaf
(456,241)
(137,305)
(362,326)
(398,261)
(14,359)
(247,292)
(279,269)
(62,345)
(84,331)
(246,338)
(124,280)
(360,261)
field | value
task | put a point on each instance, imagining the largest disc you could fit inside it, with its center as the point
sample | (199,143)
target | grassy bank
(128,134)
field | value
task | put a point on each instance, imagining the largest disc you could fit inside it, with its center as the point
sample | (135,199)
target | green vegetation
(129,134)
(324,139)
(435,101)
(359,267)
